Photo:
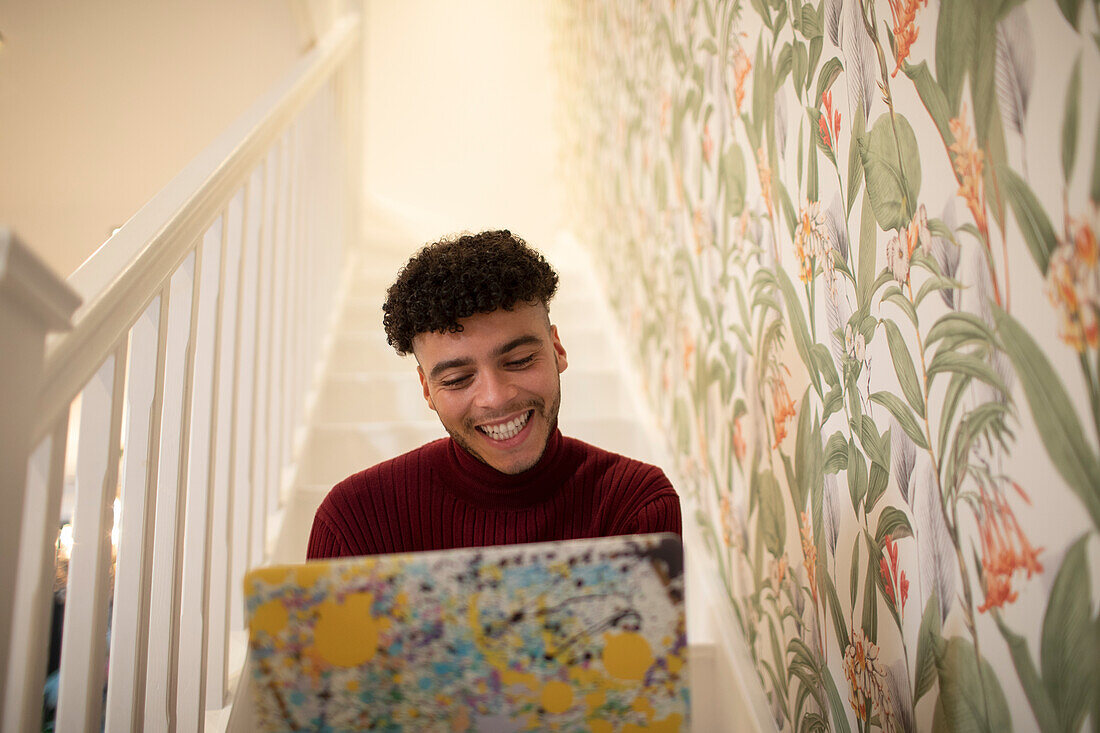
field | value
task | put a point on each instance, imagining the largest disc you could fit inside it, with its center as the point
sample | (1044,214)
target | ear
(559,350)
(424,385)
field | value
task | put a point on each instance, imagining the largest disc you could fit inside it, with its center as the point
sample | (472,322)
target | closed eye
(455,382)
(520,363)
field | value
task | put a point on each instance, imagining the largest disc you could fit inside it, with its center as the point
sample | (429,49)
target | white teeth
(507,430)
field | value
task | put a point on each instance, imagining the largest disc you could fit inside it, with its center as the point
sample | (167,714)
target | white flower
(897,258)
(854,343)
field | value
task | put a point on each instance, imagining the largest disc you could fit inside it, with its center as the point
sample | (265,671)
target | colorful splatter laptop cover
(584,635)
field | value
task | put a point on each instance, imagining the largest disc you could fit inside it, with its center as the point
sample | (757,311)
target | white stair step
(334,452)
(359,398)
(367,352)
(297,521)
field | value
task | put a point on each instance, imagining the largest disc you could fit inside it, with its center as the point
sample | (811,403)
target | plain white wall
(102,102)
(459,111)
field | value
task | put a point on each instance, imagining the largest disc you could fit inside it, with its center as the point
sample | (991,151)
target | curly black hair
(455,278)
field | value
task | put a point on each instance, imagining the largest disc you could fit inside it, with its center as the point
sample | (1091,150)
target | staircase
(368,405)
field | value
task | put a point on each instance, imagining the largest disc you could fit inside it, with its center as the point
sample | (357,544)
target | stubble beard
(550,416)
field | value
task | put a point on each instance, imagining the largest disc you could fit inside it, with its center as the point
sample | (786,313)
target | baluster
(33,301)
(235,375)
(221,251)
(163,605)
(144,388)
(34,587)
(277,379)
(84,634)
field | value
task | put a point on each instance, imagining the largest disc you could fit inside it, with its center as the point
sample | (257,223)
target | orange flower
(892,584)
(729,536)
(811,239)
(1073,285)
(779,571)
(782,408)
(968,167)
(905,28)
(708,143)
(689,351)
(1005,550)
(739,447)
(765,172)
(828,124)
(742,65)
(809,552)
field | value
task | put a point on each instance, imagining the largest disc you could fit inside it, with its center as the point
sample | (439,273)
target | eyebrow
(515,343)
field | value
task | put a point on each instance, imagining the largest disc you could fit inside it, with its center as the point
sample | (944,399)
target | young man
(474,313)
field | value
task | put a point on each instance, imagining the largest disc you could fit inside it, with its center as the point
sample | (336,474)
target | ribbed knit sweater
(439,497)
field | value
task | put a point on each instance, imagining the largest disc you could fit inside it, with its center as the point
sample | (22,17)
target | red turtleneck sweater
(439,497)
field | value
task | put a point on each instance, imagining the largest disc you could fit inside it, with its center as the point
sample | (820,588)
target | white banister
(126,681)
(33,301)
(218,268)
(31,625)
(117,282)
(162,623)
(84,640)
(236,344)
(190,358)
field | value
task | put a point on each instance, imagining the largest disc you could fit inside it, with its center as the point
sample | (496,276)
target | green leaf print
(955,31)
(857,475)
(870,595)
(830,70)
(903,367)
(929,646)
(773,518)
(799,331)
(893,522)
(836,453)
(958,329)
(892,168)
(733,173)
(1071,9)
(1094,189)
(903,415)
(1036,692)
(1054,415)
(1069,121)
(1069,666)
(933,98)
(970,698)
(1033,220)
(867,254)
(968,364)
(855,165)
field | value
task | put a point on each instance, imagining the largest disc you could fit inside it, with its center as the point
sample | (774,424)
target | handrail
(121,278)
(191,360)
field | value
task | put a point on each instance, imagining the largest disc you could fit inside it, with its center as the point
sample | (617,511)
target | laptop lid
(580,635)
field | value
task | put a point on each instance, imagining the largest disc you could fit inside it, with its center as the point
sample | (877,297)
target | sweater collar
(480,484)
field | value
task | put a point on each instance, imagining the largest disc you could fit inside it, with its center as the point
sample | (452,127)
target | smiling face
(495,384)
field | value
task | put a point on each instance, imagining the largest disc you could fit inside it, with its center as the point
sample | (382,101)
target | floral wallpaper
(854,244)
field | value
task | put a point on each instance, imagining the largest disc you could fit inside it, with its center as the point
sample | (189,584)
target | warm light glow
(117,510)
(65,541)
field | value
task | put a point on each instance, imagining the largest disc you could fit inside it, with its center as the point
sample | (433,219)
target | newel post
(33,302)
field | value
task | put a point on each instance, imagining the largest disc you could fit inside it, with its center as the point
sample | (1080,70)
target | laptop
(579,635)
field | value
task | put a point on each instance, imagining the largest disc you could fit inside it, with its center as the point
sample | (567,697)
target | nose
(495,390)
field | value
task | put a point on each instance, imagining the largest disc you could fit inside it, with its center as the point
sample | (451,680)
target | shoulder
(636,497)
(372,488)
(619,473)
(362,513)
